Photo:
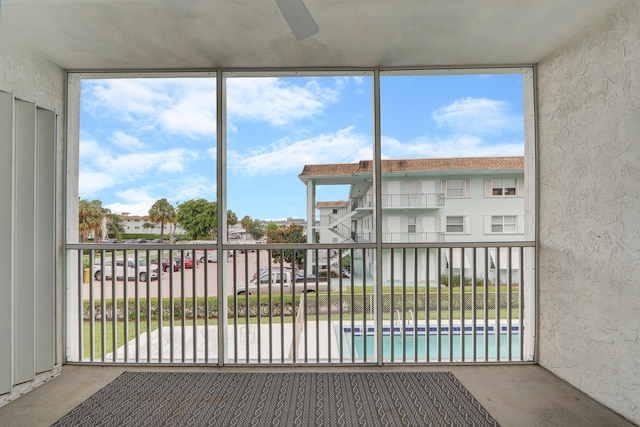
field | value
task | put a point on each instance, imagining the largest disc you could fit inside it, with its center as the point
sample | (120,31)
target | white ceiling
(150,34)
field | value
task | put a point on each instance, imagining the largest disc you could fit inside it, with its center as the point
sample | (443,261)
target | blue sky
(145,139)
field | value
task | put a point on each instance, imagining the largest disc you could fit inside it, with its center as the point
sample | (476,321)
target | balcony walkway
(515,395)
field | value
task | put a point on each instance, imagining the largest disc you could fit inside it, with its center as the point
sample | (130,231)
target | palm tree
(90,216)
(161,212)
(115,227)
(232,219)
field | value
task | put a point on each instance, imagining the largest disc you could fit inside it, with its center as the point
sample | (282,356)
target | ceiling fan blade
(298,17)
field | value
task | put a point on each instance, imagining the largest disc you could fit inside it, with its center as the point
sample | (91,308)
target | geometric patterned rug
(281,399)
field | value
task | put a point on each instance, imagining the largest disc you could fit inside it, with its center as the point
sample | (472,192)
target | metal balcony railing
(300,303)
(401,201)
(417,237)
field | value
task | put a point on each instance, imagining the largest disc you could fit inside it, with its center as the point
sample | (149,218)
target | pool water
(357,348)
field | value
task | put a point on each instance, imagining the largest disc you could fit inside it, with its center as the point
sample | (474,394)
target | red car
(188,262)
(166,265)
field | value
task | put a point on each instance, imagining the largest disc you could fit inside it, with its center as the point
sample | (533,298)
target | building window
(411,226)
(504,224)
(454,187)
(334,211)
(455,224)
(502,187)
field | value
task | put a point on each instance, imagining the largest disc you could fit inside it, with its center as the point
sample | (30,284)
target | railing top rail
(305,246)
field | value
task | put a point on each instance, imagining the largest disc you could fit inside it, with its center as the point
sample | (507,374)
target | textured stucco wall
(32,79)
(589,223)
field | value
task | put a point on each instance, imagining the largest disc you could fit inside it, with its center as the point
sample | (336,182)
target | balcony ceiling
(151,34)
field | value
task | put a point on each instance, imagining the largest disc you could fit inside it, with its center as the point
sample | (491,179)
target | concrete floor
(516,395)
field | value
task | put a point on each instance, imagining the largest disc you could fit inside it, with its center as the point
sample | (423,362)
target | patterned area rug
(281,399)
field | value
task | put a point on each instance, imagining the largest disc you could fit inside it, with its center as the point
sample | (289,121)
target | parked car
(167,265)
(187,263)
(285,281)
(108,240)
(131,270)
(274,268)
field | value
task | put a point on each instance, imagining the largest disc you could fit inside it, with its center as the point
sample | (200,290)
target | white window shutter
(467,188)
(520,187)
(521,224)
(487,224)
(467,225)
(488,187)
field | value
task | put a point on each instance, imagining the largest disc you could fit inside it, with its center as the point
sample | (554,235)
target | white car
(131,270)
(285,282)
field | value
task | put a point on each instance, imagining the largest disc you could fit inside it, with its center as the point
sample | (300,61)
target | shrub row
(281,306)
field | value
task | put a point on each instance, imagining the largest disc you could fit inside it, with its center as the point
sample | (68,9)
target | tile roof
(415,165)
(332,204)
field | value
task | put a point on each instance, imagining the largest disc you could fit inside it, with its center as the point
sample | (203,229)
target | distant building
(134,224)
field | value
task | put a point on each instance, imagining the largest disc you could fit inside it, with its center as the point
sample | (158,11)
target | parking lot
(181,282)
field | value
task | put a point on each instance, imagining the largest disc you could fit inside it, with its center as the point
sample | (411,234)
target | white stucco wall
(589,235)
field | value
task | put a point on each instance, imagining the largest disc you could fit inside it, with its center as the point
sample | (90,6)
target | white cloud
(275,100)
(183,106)
(343,146)
(132,165)
(187,106)
(139,200)
(193,115)
(136,202)
(477,116)
(92,182)
(124,96)
(127,142)
(100,169)
(457,146)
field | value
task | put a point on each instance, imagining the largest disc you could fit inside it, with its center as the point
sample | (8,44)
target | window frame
(462,224)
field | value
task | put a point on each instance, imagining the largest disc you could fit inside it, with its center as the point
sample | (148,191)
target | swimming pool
(411,343)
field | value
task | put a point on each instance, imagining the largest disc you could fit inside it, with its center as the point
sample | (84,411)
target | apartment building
(425,201)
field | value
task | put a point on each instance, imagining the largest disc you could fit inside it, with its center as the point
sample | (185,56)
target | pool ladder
(399,317)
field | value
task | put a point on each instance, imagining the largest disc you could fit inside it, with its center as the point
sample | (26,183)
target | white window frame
(501,222)
(464,192)
(463,224)
(411,224)
(495,189)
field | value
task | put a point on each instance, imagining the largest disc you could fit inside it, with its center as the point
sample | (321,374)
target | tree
(90,217)
(198,218)
(232,219)
(161,212)
(256,229)
(294,233)
(272,226)
(115,228)
(246,222)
